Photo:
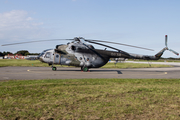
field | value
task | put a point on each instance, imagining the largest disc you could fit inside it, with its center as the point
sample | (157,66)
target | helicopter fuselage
(75,54)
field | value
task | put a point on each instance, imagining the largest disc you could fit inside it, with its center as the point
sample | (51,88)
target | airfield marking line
(35,71)
(147,74)
(10,73)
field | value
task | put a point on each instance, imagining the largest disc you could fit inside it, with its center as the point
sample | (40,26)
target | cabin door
(57,58)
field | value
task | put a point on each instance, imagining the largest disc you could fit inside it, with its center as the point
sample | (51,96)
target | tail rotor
(168,48)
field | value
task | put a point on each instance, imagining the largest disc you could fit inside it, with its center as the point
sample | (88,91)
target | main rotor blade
(108,46)
(35,41)
(120,44)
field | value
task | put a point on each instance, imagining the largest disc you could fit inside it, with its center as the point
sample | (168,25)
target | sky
(141,23)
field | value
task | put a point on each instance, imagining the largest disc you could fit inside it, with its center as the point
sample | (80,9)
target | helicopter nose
(38,57)
(41,59)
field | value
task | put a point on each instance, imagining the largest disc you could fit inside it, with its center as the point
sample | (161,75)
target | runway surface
(32,73)
(160,63)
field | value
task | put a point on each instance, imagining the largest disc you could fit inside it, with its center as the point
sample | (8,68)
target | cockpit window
(48,55)
(92,47)
(41,54)
(44,52)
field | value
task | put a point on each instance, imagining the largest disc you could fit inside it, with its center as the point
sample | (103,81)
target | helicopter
(80,54)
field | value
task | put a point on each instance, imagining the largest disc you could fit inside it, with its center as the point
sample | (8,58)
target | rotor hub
(78,38)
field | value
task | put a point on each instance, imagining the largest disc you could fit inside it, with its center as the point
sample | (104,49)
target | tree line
(22,52)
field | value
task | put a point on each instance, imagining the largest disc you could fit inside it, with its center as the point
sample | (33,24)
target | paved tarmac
(32,73)
(160,63)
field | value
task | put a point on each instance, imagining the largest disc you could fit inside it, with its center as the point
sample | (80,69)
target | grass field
(90,99)
(37,63)
(21,62)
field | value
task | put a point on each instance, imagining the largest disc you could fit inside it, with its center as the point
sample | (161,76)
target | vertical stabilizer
(159,54)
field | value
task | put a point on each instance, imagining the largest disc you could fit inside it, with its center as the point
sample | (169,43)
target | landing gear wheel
(85,69)
(54,68)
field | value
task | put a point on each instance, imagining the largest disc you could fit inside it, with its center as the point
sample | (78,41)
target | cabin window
(87,59)
(80,58)
(57,56)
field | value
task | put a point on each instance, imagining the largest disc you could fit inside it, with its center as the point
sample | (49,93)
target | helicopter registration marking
(116,54)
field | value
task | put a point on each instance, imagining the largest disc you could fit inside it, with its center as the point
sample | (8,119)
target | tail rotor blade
(174,51)
(166,40)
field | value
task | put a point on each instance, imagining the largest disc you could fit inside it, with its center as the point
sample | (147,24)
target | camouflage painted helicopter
(80,54)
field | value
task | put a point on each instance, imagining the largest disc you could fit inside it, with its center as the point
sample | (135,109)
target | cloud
(17,24)
(15,19)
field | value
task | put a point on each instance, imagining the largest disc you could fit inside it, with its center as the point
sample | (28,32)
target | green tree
(6,53)
(23,52)
(1,54)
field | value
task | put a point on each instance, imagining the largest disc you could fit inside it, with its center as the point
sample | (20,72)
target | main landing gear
(54,68)
(84,69)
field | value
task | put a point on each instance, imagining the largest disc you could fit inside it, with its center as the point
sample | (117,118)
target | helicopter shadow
(117,71)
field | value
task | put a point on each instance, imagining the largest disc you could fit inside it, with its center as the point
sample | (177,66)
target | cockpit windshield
(41,54)
(44,52)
